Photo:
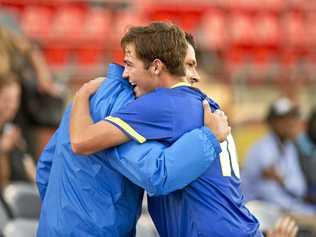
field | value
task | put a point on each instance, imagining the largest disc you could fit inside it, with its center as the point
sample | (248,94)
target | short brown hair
(190,39)
(159,40)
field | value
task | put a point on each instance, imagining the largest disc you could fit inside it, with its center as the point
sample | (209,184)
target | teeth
(132,83)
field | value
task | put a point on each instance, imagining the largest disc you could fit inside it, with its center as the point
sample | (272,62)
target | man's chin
(138,93)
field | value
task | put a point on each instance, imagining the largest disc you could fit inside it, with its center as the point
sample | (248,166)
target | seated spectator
(15,164)
(42,102)
(272,172)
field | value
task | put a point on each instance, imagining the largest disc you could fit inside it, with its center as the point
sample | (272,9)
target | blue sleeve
(45,161)
(149,117)
(44,165)
(160,170)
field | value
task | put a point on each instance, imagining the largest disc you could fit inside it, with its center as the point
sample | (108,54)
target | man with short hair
(212,205)
(154,58)
(87,196)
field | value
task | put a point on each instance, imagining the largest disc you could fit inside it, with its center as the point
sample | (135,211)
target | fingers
(221,113)
(289,227)
(285,227)
(217,122)
(206,106)
(99,79)
(91,86)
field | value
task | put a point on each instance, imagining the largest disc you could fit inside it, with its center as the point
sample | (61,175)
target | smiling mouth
(133,85)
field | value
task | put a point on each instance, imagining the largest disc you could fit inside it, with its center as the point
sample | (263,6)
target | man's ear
(157,66)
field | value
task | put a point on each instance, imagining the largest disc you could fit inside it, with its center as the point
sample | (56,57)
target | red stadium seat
(87,55)
(237,5)
(36,21)
(242,30)
(121,22)
(95,38)
(294,34)
(125,19)
(186,14)
(57,55)
(273,5)
(267,30)
(311,30)
(235,60)
(97,25)
(256,6)
(300,4)
(214,31)
(68,23)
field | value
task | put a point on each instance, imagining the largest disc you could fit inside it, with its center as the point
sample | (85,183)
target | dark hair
(311,126)
(159,40)
(190,39)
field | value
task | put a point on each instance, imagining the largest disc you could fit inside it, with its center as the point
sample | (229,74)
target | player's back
(215,202)
(212,205)
(85,195)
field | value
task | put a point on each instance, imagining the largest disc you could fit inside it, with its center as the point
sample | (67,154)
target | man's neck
(168,81)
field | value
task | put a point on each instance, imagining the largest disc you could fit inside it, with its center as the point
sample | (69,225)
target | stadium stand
(23,200)
(4,218)
(20,228)
(273,26)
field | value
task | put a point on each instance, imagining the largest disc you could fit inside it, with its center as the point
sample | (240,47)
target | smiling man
(154,62)
(167,107)
(89,195)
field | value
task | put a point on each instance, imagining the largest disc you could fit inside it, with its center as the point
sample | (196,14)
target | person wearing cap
(272,172)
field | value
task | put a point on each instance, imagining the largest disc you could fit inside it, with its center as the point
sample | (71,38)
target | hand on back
(217,122)
(90,87)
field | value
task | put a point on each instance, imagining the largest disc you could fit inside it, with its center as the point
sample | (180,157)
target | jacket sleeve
(44,165)
(161,170)
(45,161)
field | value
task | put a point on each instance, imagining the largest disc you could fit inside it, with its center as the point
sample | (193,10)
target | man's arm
(87,137)
(160,170)
(151,165)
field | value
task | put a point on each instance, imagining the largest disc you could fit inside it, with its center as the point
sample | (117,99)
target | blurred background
(249,53)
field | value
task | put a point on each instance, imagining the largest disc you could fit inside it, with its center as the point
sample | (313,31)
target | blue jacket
(91,196)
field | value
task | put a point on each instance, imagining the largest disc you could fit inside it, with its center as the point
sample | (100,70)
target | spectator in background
(306,144)
(272,172)
(41,97)
(15,164)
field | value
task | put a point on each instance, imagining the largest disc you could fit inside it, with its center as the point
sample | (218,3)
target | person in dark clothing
(15,163)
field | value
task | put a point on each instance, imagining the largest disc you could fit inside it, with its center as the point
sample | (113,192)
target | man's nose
(196,76)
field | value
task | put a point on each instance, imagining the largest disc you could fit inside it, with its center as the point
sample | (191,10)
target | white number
(228,158)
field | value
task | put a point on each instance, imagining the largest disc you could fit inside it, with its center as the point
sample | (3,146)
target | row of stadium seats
(20,217)
(271,5)
(73,25)
(85,36)
(88,37)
